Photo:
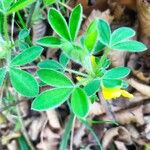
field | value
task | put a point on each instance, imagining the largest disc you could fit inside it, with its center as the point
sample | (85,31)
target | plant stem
(76,72)
(6,29)
(25,134)
(24,27)
(32,9)
(106,106)
(72,134)
(102,122)
(93,134)
(12,29)
(66,135)
(21,20)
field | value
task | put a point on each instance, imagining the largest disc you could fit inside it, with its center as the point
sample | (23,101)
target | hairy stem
(75,72)
(6,29)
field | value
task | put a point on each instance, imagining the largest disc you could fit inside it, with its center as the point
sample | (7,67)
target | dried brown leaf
(143,8)
(142,88)
(97,14)
(128,116)
(120,145)
(49,141)
(53,119)
(39,29)
(13,145)
(119,133)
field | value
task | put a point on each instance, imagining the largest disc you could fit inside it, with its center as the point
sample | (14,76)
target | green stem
(24,27)
(65,138)
(1,23)
(8,49)
(25,134)
(93,134)
(6,29)
(102,122)
(72,134)
(76,72)
(32,9)
(21,20)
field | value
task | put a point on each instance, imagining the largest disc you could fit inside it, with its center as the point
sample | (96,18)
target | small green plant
(96,76)
(16,58)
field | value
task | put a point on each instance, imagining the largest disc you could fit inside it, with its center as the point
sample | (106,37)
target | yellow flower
(79,78)
(112,93)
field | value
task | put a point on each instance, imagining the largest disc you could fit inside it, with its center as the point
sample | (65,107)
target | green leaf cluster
(119,39)
(96,75)
(97,37)
(23,82)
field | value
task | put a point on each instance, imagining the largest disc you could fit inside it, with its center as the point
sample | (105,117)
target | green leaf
(23,82)
(51,99)
(99,47)
(91,36)
(49,2)
(63,59)
(50,64)
(104,32)
(22,45)
(23,34)
(54,78)
(27,56)
(20,4)
(74,52)
(75,21)
(117,73)
(5,4)
(80,103)
(50,41)
(2,75)
(58,23)
(121,34)
(92,87)
(112,83)
(130,46)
